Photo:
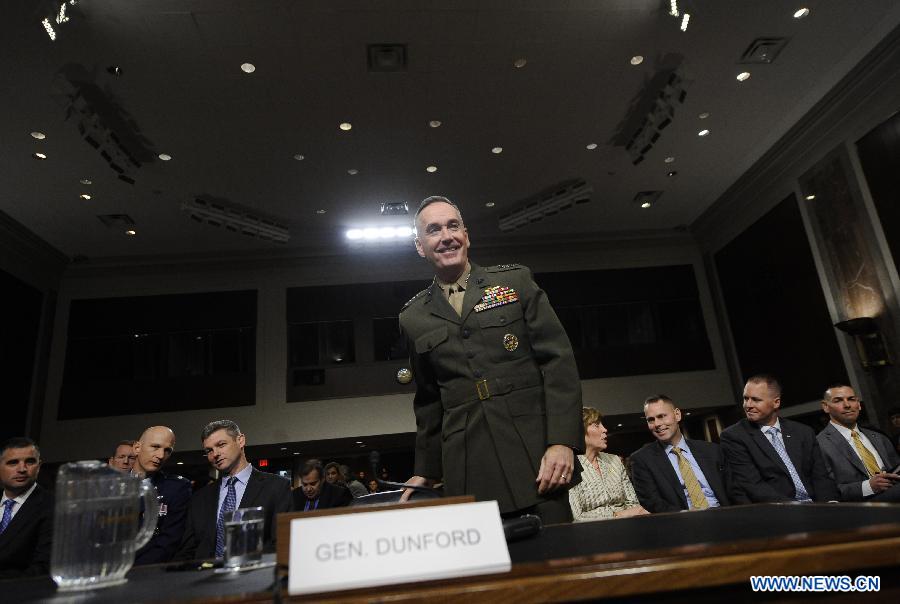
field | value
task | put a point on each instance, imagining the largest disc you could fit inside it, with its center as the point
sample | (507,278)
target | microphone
(375,462)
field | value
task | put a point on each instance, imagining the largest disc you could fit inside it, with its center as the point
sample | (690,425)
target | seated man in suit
(860,460)
(675,473)
(123,459)
(240,486)
(152,450)
(26,523)
(771,459)
(316,493)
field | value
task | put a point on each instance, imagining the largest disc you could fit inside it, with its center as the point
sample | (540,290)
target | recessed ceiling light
(435,123)
(703,132)
(38,135)
(618,425)
(490,204)
(179,463)
(352,171)
(359,442)
(497,150)
(299,157)
(801,13)
(637,60)
(672,173)
(248,67)
(591,146)
(85,181)
(345,126)
(645,205)
(296,452)
(131,232)
(431,169)
(669,159)
(810,197)
(165,156)
(320,211)
(743,76)
(520,63)
(39,155)
(703,115)
(85,196)
(284,448)
(687,413)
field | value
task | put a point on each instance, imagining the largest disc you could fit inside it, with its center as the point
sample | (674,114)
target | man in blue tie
(26,523)
(773,459)
(240,486)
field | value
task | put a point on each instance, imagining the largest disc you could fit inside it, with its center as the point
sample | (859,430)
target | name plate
(347,551)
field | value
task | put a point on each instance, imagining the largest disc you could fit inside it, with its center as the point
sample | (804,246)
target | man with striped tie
(772,459)
(860,460)
(674,473)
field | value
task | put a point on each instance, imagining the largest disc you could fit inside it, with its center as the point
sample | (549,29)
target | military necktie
(455,296)
(867,458)
(800,490)
(7,513)
(227,506)
(695,491)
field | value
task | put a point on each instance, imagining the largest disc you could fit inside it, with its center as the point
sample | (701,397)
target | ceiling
(233,136)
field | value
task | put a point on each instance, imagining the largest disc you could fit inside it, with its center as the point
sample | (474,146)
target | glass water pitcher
(96,524)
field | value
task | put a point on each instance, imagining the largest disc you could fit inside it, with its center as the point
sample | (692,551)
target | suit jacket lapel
(843,447)
(665,466)
(766,445)
(793,446)
(877,442)
(28,509)
(710,468)
(251,492)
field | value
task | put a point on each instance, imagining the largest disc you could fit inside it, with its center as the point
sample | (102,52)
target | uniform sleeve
(553,354)
(429,414)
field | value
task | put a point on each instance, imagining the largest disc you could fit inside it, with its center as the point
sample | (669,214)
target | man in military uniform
(151,451)
(498,399)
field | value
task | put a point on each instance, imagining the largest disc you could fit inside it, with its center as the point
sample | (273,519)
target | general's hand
(419,481)
(883,481)
(556,468)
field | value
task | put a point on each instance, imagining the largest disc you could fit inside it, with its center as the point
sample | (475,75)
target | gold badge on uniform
(510,342)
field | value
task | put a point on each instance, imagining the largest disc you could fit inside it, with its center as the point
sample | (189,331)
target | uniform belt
(491,386)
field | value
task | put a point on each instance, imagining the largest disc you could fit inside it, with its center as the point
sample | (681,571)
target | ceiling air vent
(762,51)
(387,57)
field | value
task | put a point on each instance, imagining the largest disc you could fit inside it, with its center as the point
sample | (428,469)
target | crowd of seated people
(762,458)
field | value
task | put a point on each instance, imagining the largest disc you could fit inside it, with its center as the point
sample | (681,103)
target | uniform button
(502,320)
(466,332)
(470,354)
(477,374)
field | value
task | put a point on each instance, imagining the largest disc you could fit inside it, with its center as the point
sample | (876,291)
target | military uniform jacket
(495,386)
(174,494)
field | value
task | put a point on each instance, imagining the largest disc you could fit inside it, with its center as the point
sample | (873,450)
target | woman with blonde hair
(604,490)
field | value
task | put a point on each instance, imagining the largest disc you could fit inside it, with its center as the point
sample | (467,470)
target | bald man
(151,451)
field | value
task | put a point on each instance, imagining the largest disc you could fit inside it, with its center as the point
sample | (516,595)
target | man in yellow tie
(675,473)
(861,461)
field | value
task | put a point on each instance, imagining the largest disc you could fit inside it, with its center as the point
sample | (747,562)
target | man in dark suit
(498,398)
(771,459)
(26,521)
(316,493)
(151,451)
(675,473)
(240,486)
(860,460)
